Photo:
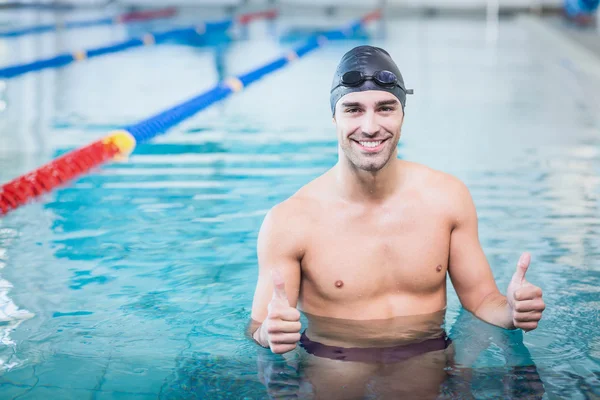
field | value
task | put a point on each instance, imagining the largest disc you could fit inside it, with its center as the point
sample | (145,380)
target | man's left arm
(472,277)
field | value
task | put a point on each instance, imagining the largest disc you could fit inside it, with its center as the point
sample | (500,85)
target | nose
(369,124)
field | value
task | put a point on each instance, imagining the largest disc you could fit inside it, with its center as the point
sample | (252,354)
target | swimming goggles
(382,78)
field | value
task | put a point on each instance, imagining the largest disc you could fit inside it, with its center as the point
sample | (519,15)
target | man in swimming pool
(373,237)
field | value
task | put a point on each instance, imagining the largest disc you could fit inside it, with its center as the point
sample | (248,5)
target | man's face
(368,126)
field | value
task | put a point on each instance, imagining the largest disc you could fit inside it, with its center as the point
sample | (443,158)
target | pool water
(136,281)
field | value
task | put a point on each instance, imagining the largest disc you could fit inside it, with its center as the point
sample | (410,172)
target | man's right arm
(274,317)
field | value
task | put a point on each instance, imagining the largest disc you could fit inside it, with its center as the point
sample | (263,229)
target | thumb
(279,286)
(522,267)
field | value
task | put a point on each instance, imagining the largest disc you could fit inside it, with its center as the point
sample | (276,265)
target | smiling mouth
(371,145)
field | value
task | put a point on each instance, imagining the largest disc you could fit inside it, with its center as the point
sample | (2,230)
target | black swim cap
(367,60)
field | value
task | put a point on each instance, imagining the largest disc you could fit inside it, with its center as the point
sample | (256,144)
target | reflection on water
(424,378)
(410,368)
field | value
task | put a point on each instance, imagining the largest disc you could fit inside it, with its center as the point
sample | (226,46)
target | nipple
(339,284)
(438,268)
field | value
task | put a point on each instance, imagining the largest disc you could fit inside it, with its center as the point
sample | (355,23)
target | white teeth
(370,144)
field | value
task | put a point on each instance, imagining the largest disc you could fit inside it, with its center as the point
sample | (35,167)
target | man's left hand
(524,299)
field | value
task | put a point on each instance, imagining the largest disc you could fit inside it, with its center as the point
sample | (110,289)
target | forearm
(495,310)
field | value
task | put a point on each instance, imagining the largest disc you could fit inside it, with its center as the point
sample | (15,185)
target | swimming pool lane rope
(148,39)
(127,18)
(62,169)
(119,144)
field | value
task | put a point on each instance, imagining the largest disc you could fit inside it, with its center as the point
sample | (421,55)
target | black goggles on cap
(382,78)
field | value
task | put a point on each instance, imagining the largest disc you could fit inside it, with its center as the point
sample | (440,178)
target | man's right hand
(280,331)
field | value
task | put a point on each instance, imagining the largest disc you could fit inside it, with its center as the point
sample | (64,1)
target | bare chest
(366,255)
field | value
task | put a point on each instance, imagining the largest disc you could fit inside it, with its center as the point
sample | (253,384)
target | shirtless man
(373,237)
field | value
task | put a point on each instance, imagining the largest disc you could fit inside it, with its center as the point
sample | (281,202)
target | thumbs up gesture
(524,298)
(281,328)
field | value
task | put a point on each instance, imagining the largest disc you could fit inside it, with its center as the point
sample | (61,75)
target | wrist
(495,309)
(510,319)
(259,337)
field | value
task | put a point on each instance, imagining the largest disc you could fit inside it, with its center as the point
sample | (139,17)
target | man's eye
(352,110)
(386,109)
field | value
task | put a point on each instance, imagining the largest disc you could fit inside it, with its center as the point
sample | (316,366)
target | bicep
(469,269)
(277,248)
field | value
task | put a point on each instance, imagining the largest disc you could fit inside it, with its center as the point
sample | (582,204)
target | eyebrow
(378,104)
(387,102)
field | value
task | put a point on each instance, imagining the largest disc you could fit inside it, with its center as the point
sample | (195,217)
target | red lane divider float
(136,16)
(21,190)
(247,18)
(371,16)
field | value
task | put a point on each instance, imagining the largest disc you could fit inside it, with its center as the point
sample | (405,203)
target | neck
(359,185)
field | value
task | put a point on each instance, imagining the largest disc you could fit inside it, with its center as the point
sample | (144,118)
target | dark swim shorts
(385,355)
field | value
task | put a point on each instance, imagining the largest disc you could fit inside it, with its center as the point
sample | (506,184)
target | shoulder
(299,208)
(442,190)
(288,223)
(427,178)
